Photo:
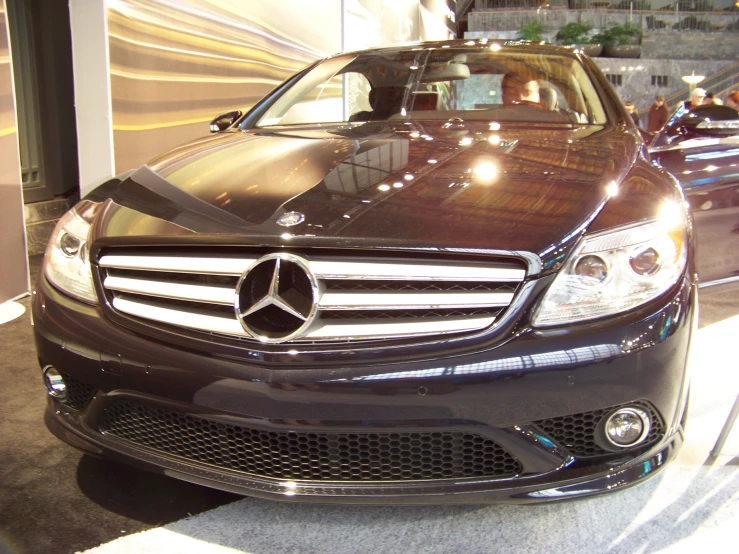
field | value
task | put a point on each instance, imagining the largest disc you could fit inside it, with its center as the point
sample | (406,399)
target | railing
(647,20)
(720,83)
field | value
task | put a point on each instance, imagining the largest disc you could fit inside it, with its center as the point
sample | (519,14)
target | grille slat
(381,297)
(313,456)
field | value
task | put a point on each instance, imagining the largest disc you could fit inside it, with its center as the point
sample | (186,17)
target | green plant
(576,32)
(617,35)
(531,30)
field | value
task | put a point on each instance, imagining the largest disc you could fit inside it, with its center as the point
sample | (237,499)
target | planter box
(591,50)
(622,51)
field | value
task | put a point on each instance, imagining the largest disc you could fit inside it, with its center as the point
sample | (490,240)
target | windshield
(471,83)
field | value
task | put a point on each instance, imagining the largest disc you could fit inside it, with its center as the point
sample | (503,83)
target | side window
(323,103)
(332,101)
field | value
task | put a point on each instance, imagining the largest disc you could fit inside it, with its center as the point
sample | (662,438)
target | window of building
(659,80)
(615,79)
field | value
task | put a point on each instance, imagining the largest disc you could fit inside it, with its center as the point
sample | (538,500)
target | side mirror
(223,122)
(712,120)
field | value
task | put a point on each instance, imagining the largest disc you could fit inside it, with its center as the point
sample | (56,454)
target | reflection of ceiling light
(495,47)
(428,137)
(466,141)
(408,177)
(414,67)
(485,171)
(483,41)
(711,168)
(414,134)
(367,201)
(286,236)
(612,189)
(445,46)
(384,188)
(495,126)
(470,43)
(433,161)
(347,216)
(494,140)
(669,214)
(623,68)
(398,185)
(403,112)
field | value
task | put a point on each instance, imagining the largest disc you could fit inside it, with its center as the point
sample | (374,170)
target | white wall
(92,92)
(14,264)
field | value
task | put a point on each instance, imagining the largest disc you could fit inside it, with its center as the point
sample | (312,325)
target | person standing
(696,98)
(658,115)
(732,100)
(711,99)
(633,112)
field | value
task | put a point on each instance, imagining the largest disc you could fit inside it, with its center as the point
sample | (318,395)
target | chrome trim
(641,414)
(412,300)
(388,270)
(725,281)
(696,143)
(180,318)
(403,328)
(165,289)
(185,264)
(153,294)
(348,329)
(707,124)
(273,298)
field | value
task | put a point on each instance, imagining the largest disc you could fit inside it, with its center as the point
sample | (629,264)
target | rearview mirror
(223,122)
(449,72)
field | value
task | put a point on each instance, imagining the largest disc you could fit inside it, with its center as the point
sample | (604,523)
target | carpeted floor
(54,499)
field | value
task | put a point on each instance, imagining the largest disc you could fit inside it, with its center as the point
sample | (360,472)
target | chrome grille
(359,298)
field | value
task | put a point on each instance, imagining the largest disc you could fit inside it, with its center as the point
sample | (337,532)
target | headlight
(614,271)
(66,262)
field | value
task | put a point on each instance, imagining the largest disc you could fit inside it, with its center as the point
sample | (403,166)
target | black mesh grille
(79,394)
(576,432)
(385,456)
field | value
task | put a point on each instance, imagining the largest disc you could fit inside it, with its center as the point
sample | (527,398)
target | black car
(444,272)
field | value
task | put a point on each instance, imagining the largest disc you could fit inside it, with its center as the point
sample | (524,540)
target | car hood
(448,184)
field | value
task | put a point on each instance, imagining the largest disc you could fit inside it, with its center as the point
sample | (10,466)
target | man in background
(517,89)
(633,112)
(711,99)
(658,115)
(696,98)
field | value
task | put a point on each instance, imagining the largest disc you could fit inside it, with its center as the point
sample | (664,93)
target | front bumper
(498,394)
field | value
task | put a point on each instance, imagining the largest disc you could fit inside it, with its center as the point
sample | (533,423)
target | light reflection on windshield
(515,83)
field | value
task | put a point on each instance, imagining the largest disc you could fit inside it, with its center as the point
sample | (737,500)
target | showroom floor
(54,499)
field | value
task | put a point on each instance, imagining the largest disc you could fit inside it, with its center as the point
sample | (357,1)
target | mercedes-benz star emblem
(276,298)
(290,219)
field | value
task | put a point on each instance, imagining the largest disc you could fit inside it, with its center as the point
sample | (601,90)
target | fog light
(55,383)
(627,427)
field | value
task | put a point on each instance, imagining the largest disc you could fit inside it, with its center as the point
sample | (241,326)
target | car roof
(506,47)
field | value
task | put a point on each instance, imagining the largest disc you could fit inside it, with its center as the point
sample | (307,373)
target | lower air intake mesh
(79,394)
(576,432)
(379,456)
